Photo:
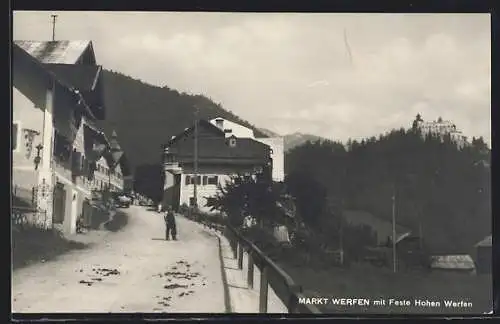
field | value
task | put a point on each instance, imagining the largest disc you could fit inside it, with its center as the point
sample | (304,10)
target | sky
(338,76)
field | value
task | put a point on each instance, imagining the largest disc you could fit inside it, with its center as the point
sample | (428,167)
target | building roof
(218,148)
(81,77)
(486,242)
(214,147)
(189,130)
(56,52)
(85,79)
(113,140)
(382,227)
(463,261)
(69,76)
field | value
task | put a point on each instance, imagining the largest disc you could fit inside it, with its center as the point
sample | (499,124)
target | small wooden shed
(484,255)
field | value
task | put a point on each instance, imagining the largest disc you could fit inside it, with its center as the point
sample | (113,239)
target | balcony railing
(62,167)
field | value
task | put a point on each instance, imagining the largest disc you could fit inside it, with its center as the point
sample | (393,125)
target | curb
(227,295)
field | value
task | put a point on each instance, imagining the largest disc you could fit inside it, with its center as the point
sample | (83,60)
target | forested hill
(146,116)
(442,192)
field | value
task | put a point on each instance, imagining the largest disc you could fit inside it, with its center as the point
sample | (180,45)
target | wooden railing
(270,274)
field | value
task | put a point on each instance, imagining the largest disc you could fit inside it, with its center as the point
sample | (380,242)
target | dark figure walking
(171,229)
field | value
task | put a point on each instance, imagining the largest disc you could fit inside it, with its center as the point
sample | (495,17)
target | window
(188,180)
(198,180)
(232,142)
(213,180)
(205,180)
(15,136)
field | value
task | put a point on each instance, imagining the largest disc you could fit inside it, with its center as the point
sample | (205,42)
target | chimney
(219,122)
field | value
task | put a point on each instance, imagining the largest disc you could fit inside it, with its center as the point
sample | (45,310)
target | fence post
(263,289)
(240,256)
(292,300)
(250,270)
(234,245)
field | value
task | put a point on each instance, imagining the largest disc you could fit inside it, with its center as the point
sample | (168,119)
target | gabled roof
(189,130)
(215,149)
(81,77)
(57,52)
(113,142)
(19,52)
(486,242)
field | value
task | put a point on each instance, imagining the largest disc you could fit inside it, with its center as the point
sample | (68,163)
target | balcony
(62,167)
(172,167)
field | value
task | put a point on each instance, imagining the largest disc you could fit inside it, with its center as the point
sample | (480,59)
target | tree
(417,120)
(246,194)
(442,191)
(310,196)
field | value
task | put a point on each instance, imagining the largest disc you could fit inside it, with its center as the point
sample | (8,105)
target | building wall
(443,128)
(29,120)
(77,189)
(117,178)
(100,180)
(128,183)
(102,177)
(32,105)
(278,155)
(204,191)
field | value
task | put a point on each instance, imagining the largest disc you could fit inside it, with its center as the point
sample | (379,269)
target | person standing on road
(171,228)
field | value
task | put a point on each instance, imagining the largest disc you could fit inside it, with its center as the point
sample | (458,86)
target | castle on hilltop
(440,128)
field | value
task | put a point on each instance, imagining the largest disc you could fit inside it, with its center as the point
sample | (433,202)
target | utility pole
(394,257)
(421,244)
(54,17)
(195,188)
(341,234)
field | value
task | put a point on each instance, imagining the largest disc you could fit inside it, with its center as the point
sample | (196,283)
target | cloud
(292,72)
(318,83)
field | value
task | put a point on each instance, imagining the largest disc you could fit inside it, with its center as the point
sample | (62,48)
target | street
(133,270)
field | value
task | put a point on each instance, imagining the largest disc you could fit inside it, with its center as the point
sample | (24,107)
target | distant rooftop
(59,52)
(487,241)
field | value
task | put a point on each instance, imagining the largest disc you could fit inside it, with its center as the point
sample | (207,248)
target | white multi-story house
(442,127)
(57,93)
(218,158)
(275,143)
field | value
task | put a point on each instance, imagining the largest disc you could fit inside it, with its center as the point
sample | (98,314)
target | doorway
(59,203)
